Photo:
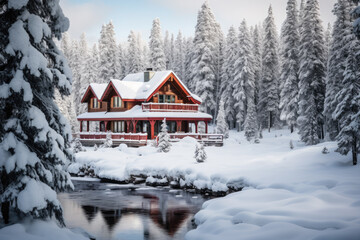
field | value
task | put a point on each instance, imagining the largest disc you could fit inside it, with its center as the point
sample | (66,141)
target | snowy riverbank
(294,194)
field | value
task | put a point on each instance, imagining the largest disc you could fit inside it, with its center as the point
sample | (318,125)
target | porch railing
(169,107)
(115,136)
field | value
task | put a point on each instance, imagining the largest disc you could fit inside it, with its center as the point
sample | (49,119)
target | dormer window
(116,102)
(94,103)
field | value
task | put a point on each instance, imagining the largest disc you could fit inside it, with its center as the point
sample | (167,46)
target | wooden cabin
(133,109)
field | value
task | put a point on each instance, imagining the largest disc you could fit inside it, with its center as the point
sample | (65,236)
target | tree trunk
(5,209)
(269,122)
(354,150)
(292,128)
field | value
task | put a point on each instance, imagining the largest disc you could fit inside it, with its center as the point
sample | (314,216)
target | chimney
(148,74)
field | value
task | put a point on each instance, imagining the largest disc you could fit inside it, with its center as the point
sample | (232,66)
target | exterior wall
(102,108)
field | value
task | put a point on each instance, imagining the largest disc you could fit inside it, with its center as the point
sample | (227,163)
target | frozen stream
(113,211)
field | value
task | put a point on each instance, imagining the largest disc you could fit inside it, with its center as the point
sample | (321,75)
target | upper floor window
(94,103)
(166,98)
(116,102)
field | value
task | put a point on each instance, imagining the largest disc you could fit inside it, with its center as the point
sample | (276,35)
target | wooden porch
(130,139)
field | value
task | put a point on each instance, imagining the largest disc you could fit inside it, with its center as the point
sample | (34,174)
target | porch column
(206,126)
(127,126)
(178,125)
(106,123)
(152,125)
(88,126)
(134,122)
(81,126)
(196,126)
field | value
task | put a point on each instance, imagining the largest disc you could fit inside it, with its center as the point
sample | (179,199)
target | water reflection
(111,211)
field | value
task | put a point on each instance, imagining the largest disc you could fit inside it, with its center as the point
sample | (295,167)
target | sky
(175,15)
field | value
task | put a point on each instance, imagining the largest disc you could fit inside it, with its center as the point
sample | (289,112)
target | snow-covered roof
(133,85)
(136,112)
(98,89)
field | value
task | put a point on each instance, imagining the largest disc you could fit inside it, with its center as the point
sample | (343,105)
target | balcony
(169,107)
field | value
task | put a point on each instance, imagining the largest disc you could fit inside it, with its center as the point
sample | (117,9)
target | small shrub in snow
(78,147)
(95,147)
(164,139)
(200,154)
(108,141)
(325,150)
(291,145)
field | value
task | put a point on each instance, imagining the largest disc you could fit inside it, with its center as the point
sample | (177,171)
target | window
(166,99)
(117,102)
(119,126)
(94,103)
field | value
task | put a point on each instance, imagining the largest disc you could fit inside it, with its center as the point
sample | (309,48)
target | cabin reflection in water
(134,214)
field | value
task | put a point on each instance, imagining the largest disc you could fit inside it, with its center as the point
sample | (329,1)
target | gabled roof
(134,87)
(97,89)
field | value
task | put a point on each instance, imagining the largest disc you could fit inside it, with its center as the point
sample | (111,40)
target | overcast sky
(88,15)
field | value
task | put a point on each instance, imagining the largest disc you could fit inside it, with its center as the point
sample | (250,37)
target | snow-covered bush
(291,144)
(325,150)
(164,139)
(108,141)
(200,154)
(78,147)
(95,147)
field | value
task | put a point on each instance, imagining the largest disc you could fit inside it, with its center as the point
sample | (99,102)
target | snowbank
(39,230)
(297,193)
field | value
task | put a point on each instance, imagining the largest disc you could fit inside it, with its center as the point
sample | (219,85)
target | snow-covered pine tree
(269,89)
(34,137)
(85,72)
(179,57)
(167,50)
(328,42)
(78,147)
(219,67)
(200,154)
(108,142)
(257,50)
(107,53)
(311,76)
(120,62)
(347,111)
(206,47)
(134,58)
(339,51)
(164,139)
(290,66)
(227,90)
(189,63)
(221,125)
(356,15)
(156,45)
(243,82)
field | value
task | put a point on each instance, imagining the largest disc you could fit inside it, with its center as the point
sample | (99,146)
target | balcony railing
(140,138)
(169,107)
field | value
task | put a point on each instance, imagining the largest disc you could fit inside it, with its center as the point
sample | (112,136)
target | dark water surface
(129,212)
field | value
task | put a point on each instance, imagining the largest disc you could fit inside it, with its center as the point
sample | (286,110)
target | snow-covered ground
(289,194)
(40,230)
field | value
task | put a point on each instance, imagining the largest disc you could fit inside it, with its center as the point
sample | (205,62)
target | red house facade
(133,108)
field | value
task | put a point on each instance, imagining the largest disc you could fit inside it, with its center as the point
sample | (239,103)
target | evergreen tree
(339,51)
(179,57)
(290,66)
(108,53)
(244,82)
(85,69)
(221,124)
(356,14)
(269,92)
(251,125)
(200,154)
(108,142)
(120,62)
(227,90)
(347,111)
(328,42)
(189,64)
(257,49)
(34,139)
(134,59)
(206,46)
(311,76)
(164,139)
(157,55)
